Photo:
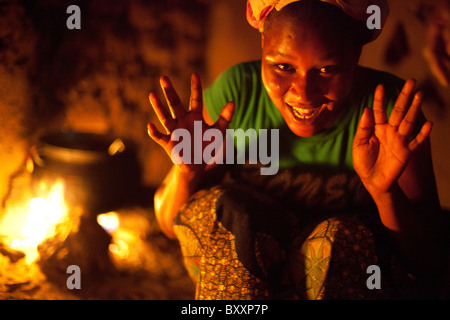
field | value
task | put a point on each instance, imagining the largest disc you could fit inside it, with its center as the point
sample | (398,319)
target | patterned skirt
(239,244)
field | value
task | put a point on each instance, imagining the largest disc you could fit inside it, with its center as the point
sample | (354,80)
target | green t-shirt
(242,84)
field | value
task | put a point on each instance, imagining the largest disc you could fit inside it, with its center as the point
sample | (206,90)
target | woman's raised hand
(177,117)
(382,148)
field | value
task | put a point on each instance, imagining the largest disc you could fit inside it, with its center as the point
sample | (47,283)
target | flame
(44,214)
(108,221)
(129,248)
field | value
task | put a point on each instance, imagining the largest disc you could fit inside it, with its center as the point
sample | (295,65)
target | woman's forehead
(286,36)
(317,21)
(320,25)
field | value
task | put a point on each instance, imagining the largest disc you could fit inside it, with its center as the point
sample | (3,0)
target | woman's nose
(304,89)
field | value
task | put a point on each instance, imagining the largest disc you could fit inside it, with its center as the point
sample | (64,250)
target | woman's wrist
(384,196)
(189,179)
(388,203)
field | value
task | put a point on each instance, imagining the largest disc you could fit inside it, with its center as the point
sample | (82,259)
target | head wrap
(258,10)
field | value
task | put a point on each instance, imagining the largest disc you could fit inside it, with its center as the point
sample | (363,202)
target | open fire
(37,220)
(64,212)
(121,254)
(27,225)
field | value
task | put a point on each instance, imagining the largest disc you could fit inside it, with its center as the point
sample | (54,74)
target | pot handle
(35,157)
(117,146)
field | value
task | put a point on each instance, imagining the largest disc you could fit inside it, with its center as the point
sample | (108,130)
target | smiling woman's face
(307,70)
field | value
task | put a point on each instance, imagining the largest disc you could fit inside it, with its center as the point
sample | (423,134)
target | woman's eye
(329,70)
(284,67)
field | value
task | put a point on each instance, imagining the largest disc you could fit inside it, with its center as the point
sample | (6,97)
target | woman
(354,181)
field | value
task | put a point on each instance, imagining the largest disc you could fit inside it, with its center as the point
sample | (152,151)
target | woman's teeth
(305,114)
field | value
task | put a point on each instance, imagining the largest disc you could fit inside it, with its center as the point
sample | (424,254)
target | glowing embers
(129,230)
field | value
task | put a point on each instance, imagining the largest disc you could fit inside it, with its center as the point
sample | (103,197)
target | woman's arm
(171,195)
(397,172)
(184,178)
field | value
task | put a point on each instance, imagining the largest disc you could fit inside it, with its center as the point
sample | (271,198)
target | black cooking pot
(99,172)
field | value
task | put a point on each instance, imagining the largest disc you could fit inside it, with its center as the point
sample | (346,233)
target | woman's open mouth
(305,113)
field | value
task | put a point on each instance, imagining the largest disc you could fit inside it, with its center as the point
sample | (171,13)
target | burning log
(13,255)
(86,247)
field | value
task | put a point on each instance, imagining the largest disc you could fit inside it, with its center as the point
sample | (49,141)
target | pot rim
(80,148)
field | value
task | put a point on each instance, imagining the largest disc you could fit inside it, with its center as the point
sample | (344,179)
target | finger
(157,136)
(407,125)
(401,105)
(172,98)
(365,128)
(379,108)
(196,102)
(225,117)
(162,113)
(422,136)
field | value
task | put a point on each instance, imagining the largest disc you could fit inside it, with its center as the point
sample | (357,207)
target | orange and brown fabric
(239,243)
